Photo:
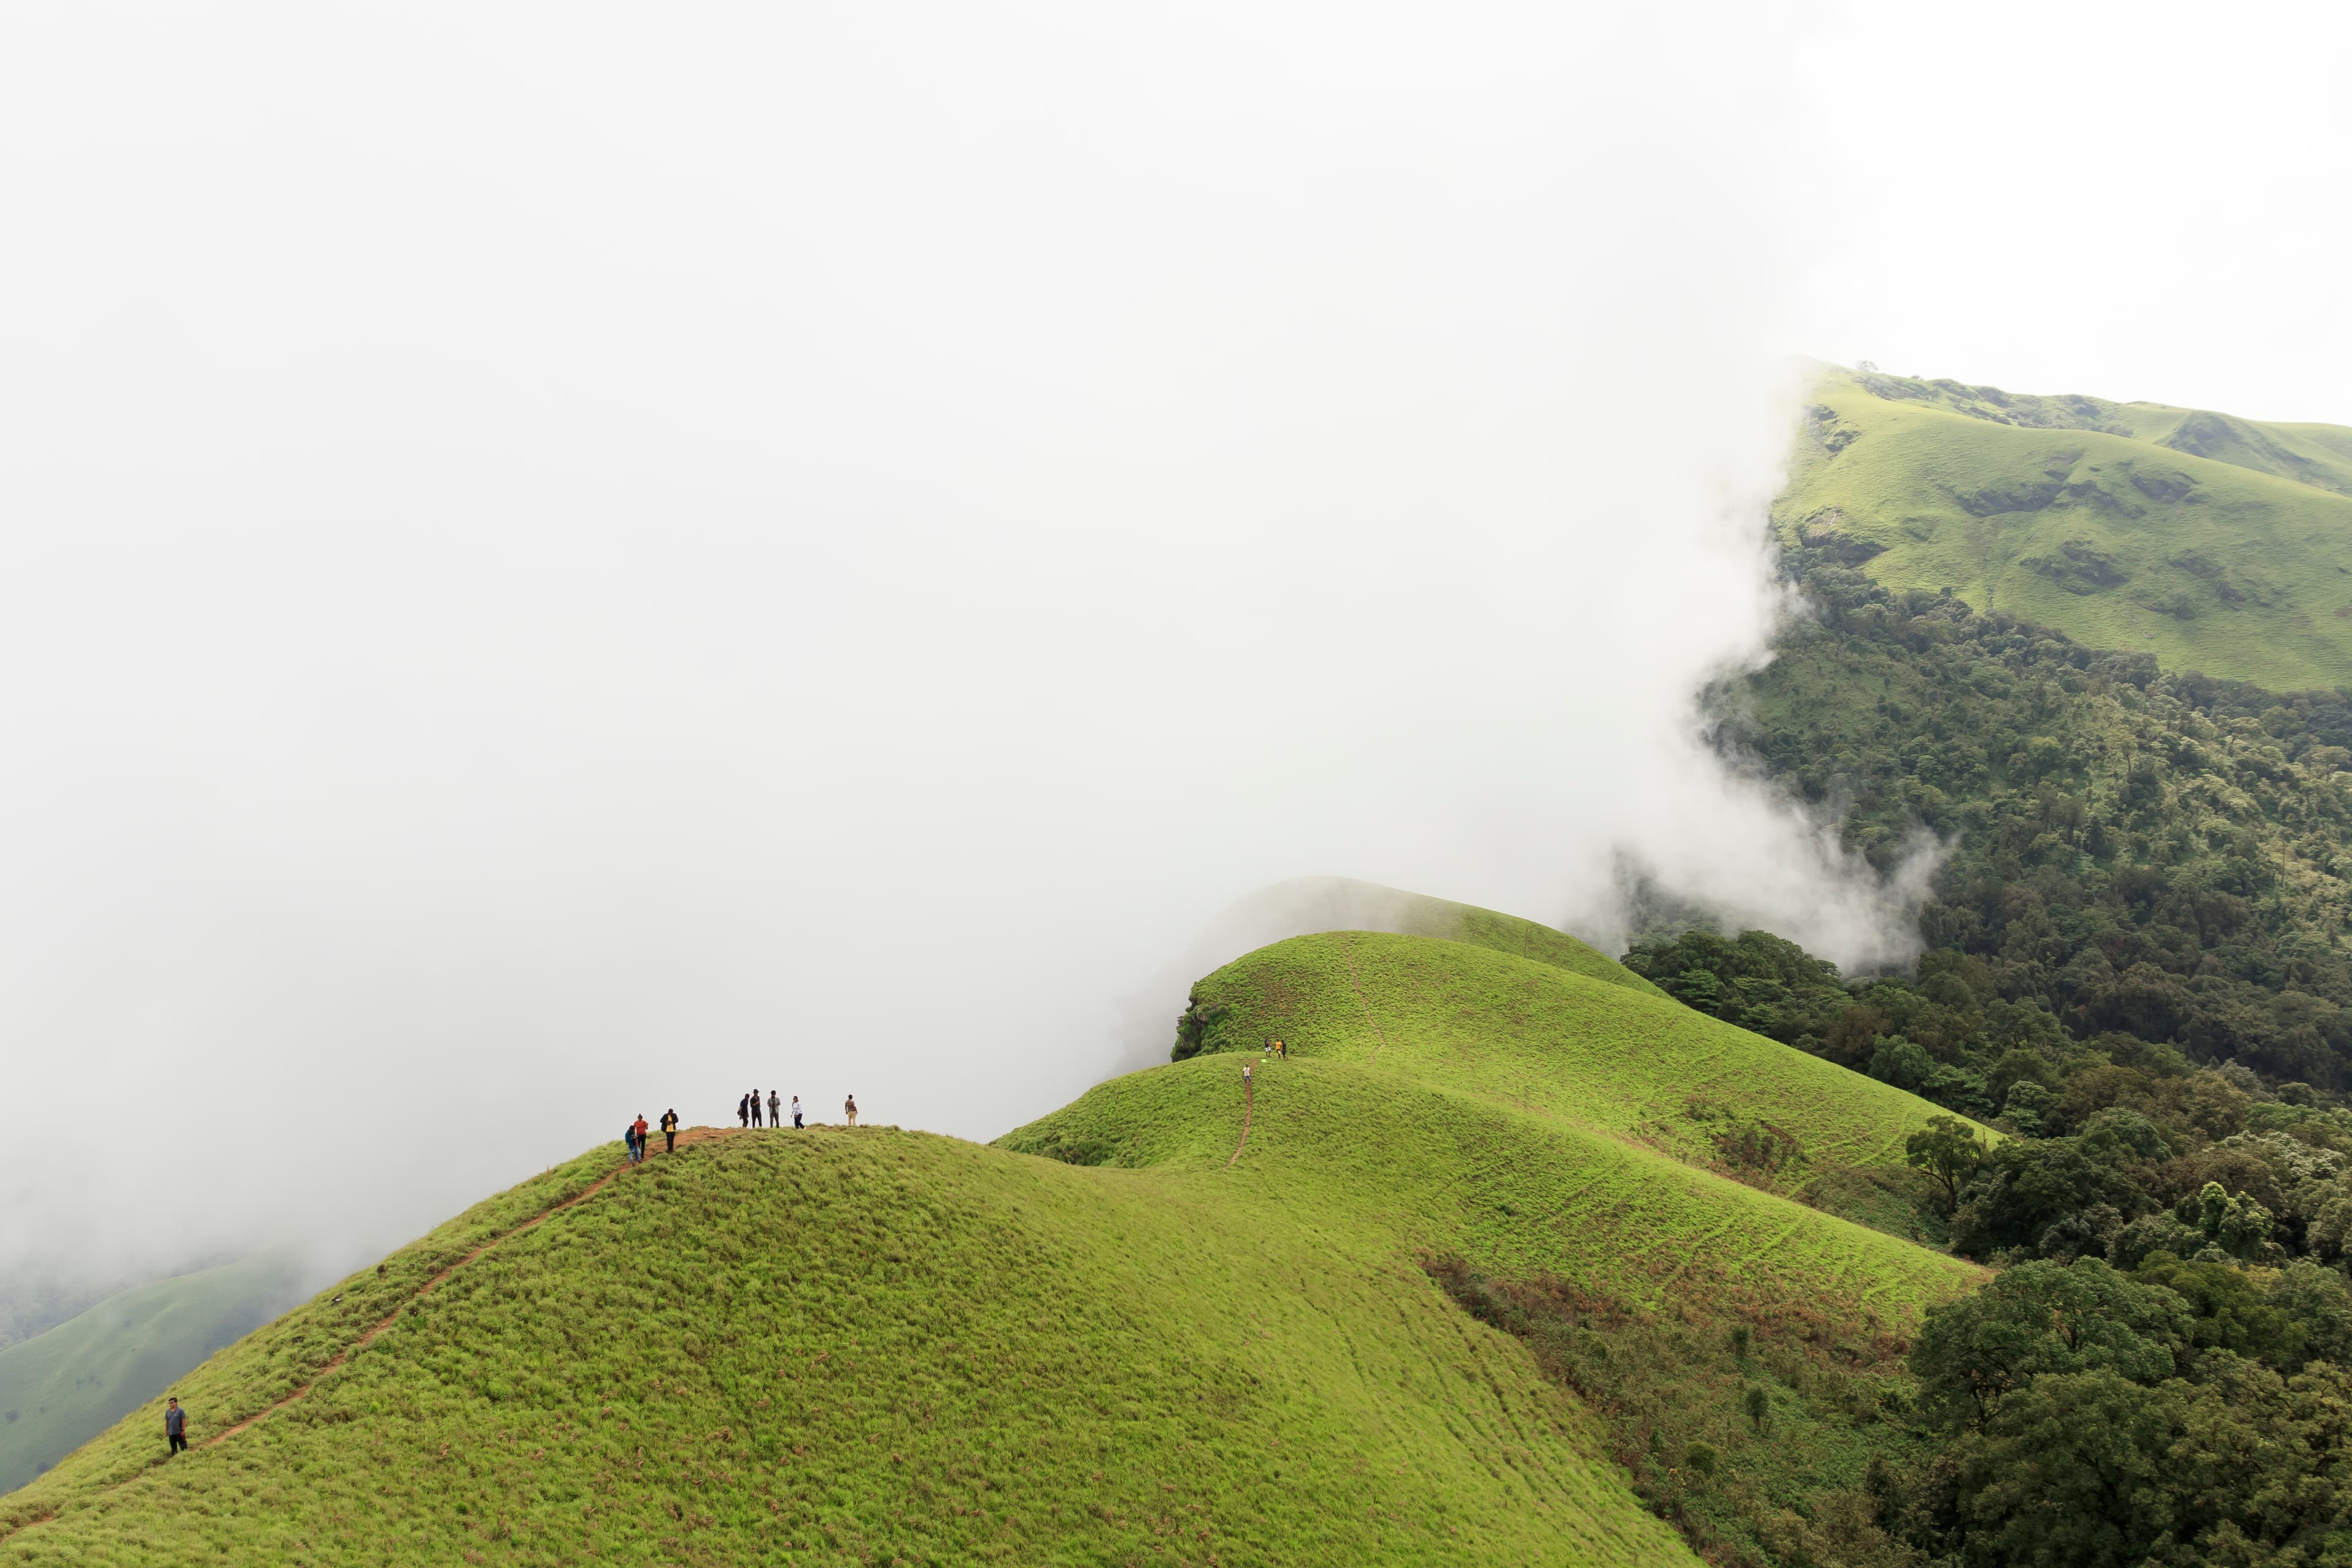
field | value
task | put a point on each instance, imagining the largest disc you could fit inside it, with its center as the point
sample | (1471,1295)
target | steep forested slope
(2129,852)
(2136,963)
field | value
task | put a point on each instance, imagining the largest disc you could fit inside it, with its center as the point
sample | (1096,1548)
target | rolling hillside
(1573,1045)
(61,1388)
(2216,543)
(1162,1343)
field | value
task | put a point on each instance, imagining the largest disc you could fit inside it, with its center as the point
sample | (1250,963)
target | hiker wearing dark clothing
(755,1107)
(175,1426)
(775,1116)
(743,1111)
(629,1140)
(669,1131)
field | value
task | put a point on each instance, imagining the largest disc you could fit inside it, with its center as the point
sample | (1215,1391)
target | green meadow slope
(1165,1341)
(62,1387)
(838,1346)
(2216,543)
(1562,1045)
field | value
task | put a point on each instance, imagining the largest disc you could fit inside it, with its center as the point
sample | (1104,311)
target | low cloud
(558,571)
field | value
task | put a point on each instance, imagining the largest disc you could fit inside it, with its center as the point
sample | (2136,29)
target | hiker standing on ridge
(743,1111)
(796,1110)
(175,1426)
(776,1116)
(849,1108)
(755,1107)
(637,1137)
(670,1131)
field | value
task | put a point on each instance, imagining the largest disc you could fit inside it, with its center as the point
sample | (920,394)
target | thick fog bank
(569,563)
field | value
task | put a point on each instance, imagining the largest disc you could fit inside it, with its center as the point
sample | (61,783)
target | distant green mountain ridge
(2214,542)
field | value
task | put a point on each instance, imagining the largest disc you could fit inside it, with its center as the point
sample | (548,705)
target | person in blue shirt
(176,1426)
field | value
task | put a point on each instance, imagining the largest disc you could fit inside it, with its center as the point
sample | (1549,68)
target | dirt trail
(1356,980)
(1249,1103)
(695,1135)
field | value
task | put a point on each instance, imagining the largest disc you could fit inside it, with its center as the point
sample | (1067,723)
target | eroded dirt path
(693,1135)
(1249,1103)
(1355,979)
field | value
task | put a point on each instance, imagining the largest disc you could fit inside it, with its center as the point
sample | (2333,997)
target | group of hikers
(633,1136)
(747,1111)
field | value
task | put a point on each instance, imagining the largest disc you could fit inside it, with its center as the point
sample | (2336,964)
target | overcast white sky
(559,561)
(2138,201)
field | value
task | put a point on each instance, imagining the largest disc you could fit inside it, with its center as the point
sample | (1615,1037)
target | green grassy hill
(1161,1343)
(62,1387)
(1631,1065)
(1418,914)
(2216,543)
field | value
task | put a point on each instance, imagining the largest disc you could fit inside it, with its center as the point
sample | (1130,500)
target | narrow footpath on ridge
(692,1135)
(1249,1103)
(1355,979)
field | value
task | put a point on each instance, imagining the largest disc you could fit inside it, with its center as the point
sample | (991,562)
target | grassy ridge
(873,1346)
(62,1387)
(1532,1036)
(1450,921)
(2213,542)
(1423,1168)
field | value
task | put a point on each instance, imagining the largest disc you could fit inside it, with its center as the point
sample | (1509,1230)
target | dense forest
(2135,967)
